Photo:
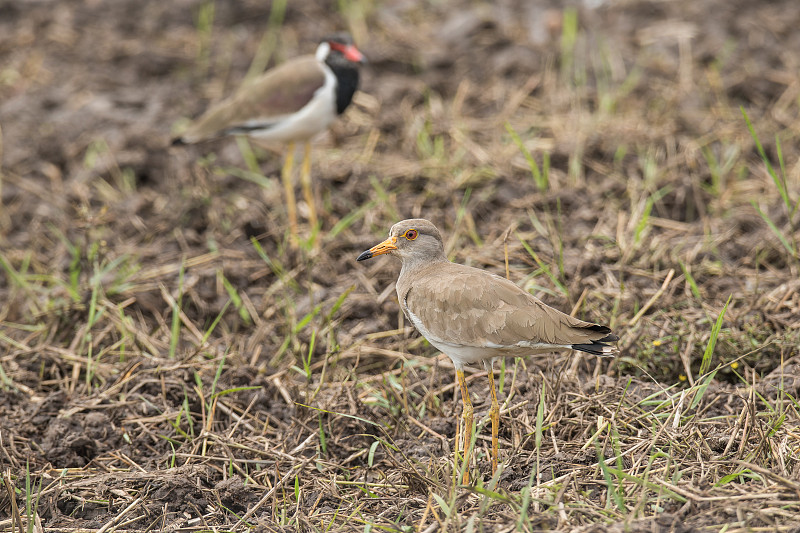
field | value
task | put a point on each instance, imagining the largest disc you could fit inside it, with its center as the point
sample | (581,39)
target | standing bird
(474,316)
(289,103)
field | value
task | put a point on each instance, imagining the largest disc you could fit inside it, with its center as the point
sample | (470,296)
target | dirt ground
(169,362)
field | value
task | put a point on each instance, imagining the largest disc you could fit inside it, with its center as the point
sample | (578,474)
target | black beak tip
(364,256)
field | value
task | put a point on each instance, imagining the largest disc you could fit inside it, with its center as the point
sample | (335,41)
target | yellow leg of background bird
(468,419)
(291,204)
(494,412)
(308,191)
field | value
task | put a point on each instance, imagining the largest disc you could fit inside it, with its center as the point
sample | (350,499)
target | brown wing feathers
(279,92)
(477,308)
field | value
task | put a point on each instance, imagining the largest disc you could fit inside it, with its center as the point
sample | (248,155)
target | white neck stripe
(322,51)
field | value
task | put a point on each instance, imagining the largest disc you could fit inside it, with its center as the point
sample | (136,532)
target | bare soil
(169,362)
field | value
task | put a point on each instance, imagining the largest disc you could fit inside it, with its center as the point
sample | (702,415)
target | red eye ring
(410,234)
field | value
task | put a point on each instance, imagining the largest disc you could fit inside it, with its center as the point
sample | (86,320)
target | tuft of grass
(613,489)
(690,281)
(569,39)
(429,145)
(540,177)
(787,238)
(269,41)
(644,217)
(252,173)
(249,156)
(705,364)
(204,24)
(720,168)
(33,493)
(236,299)
(176,315)
(306,359)
(544,268)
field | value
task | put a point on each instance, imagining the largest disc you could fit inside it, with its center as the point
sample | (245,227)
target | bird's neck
(413,265)
(346,83)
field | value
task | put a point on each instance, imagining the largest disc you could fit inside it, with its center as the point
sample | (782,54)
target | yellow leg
(494,412)
(291,204)
(308,191)
(468,415)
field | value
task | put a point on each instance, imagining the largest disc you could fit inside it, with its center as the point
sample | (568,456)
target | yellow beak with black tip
(385,247)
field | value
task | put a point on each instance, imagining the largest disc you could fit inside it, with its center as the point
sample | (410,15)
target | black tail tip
(596,348)
(598,328)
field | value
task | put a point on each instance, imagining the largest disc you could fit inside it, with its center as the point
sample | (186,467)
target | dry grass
(167,362)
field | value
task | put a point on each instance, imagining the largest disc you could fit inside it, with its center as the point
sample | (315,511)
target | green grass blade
(779,183)
(248,175)
(231,391)
(340,301)
(690,281)
(213,325)
(612,487)
(306,319)
(544,267)
(539,178)
(354,417)
(238,303)
(371,454)
(347,220)
(442,504)
(642,224)
(176,315)
(778,233)
(322,439)
(492,494)
(569,38)
(701,389)
(247,153)
(526,492)
(539,419)
(712,342)
(204,23)
(650,485)
(217,375)
(269,41)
